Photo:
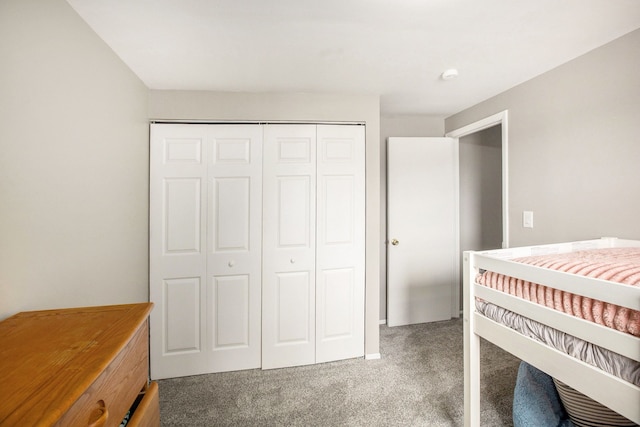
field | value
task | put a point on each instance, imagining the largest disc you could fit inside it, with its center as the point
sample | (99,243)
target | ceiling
(396,49)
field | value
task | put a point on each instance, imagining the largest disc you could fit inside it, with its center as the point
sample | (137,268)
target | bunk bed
(601,384)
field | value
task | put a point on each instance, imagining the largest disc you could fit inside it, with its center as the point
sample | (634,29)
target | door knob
(395,242)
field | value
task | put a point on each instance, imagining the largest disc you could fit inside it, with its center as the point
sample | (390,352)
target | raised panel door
(234,227)
(205,248)
(340,262)
(289,217)
(177,258)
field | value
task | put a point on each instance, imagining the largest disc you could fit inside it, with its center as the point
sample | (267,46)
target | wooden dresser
(77,367)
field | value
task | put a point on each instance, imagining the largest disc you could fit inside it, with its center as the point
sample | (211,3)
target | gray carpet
(417,382)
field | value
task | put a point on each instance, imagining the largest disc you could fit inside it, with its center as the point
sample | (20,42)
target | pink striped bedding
(621,265)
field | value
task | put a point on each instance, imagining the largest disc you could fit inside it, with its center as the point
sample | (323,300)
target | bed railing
(619,395)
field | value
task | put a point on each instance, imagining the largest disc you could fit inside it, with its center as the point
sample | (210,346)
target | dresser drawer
(107,400)
(147,413)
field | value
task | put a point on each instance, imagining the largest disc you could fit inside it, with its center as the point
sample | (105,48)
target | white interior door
(313,244)
(240,280)
(422,236)
(205,248)
(340,243)
(289,240)
(234,247)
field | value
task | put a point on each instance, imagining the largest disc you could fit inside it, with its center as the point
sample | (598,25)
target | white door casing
(502,119)
(421,229)
(205,277)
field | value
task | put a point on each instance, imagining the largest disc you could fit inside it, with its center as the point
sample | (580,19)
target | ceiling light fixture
(449,74)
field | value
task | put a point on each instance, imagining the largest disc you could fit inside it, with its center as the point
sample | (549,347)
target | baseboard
(383,321)
(373,356)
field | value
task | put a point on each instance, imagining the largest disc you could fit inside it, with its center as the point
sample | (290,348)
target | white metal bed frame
(619,395)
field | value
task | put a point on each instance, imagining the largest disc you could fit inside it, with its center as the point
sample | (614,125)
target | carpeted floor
(417,382)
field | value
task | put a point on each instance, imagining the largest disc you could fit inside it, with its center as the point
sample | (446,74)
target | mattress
(602,358)
(620,265)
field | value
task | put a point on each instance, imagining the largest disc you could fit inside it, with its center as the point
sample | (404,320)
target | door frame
(502,119)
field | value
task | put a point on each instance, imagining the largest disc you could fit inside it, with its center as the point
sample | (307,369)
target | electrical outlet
(527,219)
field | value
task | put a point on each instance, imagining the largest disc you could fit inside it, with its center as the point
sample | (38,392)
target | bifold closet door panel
(205,250)
(289,218)
(340,251)
(234,247)
(178,272)
(256,246)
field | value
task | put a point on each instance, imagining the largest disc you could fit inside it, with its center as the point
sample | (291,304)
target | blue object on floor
(536,402)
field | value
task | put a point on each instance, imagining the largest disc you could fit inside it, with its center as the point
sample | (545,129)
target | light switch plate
(527,219)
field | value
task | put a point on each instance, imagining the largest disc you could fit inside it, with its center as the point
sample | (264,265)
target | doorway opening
(483,183)
(480,189)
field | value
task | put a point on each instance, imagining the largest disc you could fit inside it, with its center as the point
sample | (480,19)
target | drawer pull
(99,415)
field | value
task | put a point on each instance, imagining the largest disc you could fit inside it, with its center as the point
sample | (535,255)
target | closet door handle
(395,242)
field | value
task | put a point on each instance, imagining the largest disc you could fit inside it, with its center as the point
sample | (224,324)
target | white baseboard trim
(383,321)
(374,356)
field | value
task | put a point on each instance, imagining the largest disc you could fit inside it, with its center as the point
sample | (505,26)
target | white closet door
(234,247)
(204,248)
(289,218)
(340,242)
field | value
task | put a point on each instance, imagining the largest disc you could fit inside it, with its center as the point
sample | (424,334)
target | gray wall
(73,168)
(574,155)
(199,105)
(395,126)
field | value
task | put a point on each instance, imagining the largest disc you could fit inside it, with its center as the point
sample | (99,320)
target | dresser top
(48,358)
